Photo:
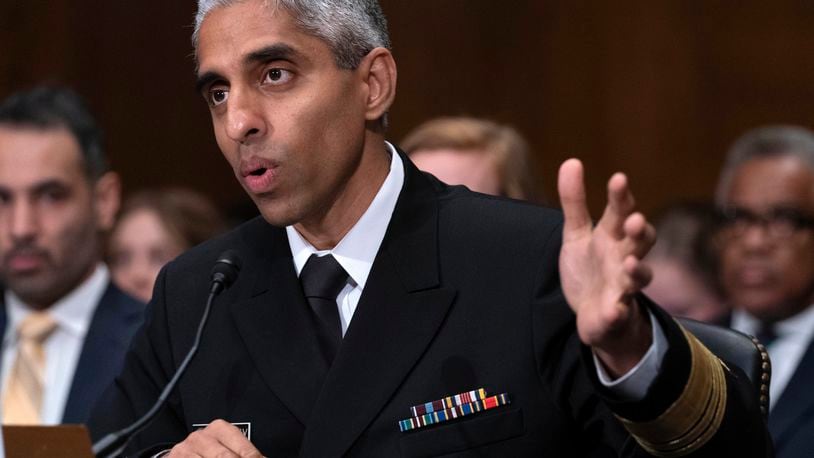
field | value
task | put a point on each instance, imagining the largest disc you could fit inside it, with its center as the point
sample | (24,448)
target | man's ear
(107,192)
(378,69)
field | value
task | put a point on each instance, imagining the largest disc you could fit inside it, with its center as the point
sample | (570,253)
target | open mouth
(257,174)
(259,180)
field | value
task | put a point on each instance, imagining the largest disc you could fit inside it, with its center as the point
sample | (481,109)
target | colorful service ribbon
(448,402)
(457,411)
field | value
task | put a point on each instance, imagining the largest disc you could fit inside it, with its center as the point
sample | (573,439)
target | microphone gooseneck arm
(223,274)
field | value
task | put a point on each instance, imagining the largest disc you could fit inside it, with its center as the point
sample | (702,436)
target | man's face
(767,262)
(48,232)
(682,292)
(475,169)
(288,120)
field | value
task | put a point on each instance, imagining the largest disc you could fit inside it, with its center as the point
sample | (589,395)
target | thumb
(571,187)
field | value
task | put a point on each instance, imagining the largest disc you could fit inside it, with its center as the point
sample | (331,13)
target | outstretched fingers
(638,274)
(639,235)
(620,205)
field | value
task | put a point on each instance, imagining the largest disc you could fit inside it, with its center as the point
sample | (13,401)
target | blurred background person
(766,194)
(684,263)
(482,155)
(153,227)
(65,326)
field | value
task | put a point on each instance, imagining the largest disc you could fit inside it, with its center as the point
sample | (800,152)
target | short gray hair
(765,142)
(351,28)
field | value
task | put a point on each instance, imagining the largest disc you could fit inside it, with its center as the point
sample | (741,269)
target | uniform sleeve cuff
(633,385)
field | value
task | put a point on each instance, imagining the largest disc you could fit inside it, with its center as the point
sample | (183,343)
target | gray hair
(765,142)
(351,28)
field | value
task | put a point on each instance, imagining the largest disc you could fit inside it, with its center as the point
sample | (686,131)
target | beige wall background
(657,89)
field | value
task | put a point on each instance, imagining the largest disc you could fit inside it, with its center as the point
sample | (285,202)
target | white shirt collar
(801,324)
(357,250)
(72,313)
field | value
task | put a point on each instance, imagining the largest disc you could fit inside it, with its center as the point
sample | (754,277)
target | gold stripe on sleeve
(694,418)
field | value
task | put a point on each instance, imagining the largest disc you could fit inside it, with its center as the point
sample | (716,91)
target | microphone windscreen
(227,267)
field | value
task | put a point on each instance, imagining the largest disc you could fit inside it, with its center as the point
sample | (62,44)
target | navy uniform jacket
(114,322)
(464,293)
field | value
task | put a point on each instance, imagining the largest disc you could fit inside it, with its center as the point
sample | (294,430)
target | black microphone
(224,273)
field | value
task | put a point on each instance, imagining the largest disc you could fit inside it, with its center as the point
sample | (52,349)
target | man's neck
(326,231)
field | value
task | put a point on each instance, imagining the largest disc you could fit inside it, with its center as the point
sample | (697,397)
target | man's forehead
(774,181)
(234,39)
(240,22)
(34,149)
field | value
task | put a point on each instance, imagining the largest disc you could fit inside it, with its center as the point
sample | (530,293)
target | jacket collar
(400,311)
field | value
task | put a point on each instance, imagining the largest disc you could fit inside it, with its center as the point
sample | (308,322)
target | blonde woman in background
(154,227)
(482,155)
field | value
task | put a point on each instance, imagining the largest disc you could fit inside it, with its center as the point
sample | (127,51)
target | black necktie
(322,279)
(766,334)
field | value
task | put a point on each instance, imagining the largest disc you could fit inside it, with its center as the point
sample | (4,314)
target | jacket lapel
(274,325)
(795,400)
(114,321)
(399,313)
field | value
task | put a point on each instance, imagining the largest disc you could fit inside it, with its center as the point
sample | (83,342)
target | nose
(756,236)
(244,119)
(23,221)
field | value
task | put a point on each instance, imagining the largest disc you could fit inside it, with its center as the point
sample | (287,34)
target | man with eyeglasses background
(766,198)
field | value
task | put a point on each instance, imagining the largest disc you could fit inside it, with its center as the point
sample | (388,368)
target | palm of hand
(593,282)
(601,268)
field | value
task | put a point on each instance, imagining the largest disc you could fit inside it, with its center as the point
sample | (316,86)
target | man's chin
(276,216)
(31,288)
(767,307)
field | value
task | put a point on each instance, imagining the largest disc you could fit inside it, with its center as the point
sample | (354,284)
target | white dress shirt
(793,338)
(357,250)
(72,314)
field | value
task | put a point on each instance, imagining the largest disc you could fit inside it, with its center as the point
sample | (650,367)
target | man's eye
(277,76)
(791,217)
(217,96)
(54,195)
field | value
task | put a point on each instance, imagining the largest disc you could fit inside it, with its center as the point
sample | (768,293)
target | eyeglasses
(778,222)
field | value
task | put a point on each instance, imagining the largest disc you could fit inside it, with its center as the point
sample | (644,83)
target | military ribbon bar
(462,410)
(448,402)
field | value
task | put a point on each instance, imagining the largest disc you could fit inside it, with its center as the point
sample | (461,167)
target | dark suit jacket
(791,421)
(115,321)
(464,293)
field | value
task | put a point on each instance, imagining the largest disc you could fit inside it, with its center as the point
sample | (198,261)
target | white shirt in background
(793,338)
(72,314)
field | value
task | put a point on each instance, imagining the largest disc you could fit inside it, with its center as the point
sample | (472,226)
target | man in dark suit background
(766,194)
(65,328)
(368,287)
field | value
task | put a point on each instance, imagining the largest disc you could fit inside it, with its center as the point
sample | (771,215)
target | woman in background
(155,226)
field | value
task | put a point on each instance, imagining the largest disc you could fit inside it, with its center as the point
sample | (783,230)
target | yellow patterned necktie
(23,397)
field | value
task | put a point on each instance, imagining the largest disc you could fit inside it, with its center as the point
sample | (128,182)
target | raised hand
(601,269)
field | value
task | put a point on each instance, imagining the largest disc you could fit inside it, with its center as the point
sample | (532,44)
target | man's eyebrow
(205,80)
(265,54)
(49,185)
(272,52)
